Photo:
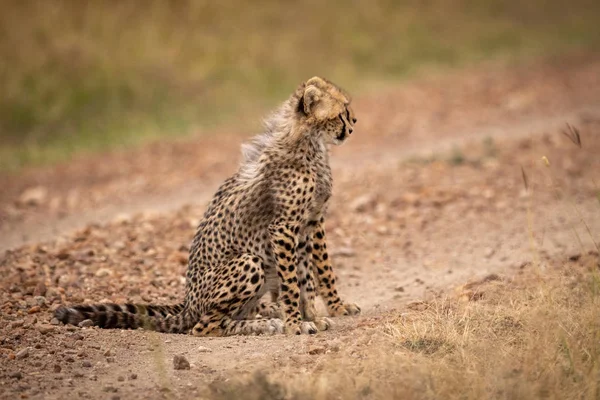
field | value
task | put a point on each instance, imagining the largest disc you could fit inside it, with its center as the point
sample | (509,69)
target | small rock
(21,354)
(107,353)
(399,289)
(34,309)
(411,198)
(78,374)
(45,328)
(15,374)
(40,289)
(363,203)
(202,349)
(33,196)
(121,378)
(489,252)
(313,350)
(417,305)
(335,346)
(103,272)
(110,359)
(40,300)
(76,336)
(69,359)
(54,321)
(63,254)
(180,362)
(343,252)
(57,368)
(86,323)
(16,324)
(86,364)
(110,389)
(133,377)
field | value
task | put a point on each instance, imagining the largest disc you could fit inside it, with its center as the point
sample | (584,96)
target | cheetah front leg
(307,284)
(326,276)
(284,242)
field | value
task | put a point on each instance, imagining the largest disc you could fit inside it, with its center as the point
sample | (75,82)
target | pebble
(133,377)
(22,353)
(34,196)
(57,368)
(180,362)
(335,346)
(121,378)
(86,364)
(417,305)
(63,254)
(111,389)
(103,272)
(45,328)
(313,350)
(40,300)
(110,359)
(16,374)
(54,321)
(86,323)
(489,252)
(363,203)
(40,289)
(16,324)
(202,349)
(34,309)
(107,353)
(343,252)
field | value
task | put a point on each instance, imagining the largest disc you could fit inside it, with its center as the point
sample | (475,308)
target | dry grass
(90,74)
(533,337)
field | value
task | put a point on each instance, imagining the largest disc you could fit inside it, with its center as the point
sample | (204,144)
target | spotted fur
(262,232)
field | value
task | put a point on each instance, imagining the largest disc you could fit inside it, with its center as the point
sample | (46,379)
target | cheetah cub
(262,232)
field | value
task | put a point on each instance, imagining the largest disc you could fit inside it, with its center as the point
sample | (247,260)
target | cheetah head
(325,109)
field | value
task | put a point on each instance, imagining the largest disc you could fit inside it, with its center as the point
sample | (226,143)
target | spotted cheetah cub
(262,232)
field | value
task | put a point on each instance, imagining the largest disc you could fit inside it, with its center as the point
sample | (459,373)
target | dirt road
(429,193)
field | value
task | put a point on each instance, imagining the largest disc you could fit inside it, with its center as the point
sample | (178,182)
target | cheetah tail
(128,316)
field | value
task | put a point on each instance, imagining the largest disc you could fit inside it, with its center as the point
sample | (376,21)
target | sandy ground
(428,194)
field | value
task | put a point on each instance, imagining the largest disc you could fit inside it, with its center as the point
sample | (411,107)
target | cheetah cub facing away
(262,232)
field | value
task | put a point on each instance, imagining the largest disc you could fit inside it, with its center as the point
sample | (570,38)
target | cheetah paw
(323,324)
(345,309)
(275,326)
(308,328)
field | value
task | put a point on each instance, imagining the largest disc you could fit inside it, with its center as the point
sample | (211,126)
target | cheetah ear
(316,81)
(310,99)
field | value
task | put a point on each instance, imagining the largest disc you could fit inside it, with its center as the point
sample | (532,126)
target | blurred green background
(90,75)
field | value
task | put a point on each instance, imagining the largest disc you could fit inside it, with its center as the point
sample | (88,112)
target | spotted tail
(128,316)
